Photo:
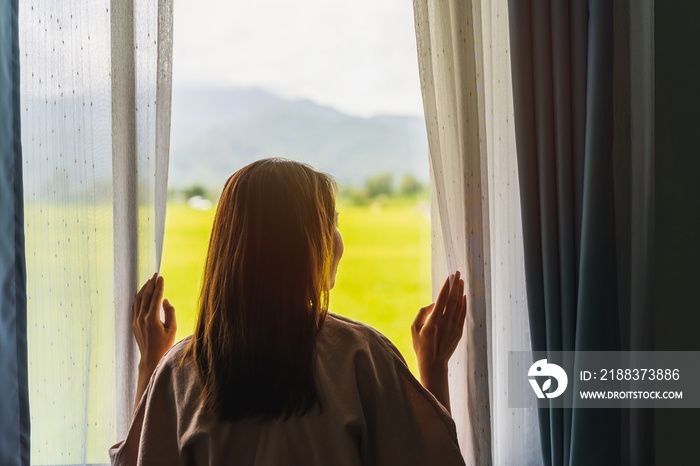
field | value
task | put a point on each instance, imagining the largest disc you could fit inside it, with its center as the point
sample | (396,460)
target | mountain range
(216,131)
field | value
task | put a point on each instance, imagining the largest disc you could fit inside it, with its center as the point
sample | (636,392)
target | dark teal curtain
(14,397)
(562,64)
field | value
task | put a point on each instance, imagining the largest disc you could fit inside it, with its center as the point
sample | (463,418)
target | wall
(677,210)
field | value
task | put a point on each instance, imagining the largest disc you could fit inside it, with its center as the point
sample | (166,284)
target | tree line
(382,186)
(376,187)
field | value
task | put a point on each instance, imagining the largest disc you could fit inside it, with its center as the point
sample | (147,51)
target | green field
(383,277)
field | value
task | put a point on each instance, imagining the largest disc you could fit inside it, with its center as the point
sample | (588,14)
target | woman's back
(268,377)
(374,412)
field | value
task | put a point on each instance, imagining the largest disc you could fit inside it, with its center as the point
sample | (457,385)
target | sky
(359,56)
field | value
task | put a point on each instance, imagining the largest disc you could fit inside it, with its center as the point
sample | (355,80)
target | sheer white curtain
(95,130)
(463,50)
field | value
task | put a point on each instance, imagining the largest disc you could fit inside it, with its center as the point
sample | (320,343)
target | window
(331,84)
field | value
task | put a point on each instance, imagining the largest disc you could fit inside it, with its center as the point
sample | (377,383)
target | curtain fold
(579,192)
(95,132)
(448,64)
(141,85)
(14,402)
(514,431)
(463,53)
(641,101)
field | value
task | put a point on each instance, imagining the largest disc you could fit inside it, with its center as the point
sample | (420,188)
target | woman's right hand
(153,336)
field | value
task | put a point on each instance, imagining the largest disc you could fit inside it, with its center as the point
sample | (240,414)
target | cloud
(357,56)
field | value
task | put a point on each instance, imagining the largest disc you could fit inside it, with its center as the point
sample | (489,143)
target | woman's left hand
(437,329)
(153,337)
(436,333)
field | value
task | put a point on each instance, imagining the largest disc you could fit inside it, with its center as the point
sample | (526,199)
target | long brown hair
(265,291)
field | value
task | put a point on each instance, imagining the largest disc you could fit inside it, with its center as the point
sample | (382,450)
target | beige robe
(374,413)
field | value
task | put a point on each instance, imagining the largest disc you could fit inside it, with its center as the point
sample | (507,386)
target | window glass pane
(332,84)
